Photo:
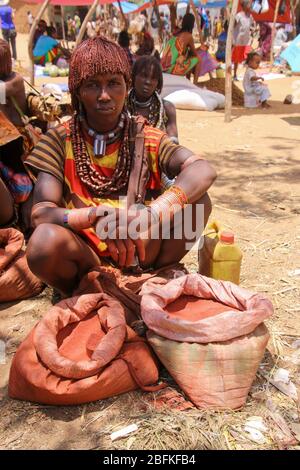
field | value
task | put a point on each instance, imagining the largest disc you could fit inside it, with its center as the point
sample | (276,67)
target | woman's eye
(92,85)
(114,83)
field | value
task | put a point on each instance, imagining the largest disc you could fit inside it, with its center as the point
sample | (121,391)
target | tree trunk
(228,76)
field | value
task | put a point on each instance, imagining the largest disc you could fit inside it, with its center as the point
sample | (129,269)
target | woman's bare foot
(265,105)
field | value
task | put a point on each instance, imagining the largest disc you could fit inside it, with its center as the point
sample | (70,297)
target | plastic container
(227,259)
(220,257)
(220,73)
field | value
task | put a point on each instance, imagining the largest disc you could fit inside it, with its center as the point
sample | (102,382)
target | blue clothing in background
(6,17)
(43,45)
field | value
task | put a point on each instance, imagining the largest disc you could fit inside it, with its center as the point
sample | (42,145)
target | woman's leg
(6,205)
(59,257)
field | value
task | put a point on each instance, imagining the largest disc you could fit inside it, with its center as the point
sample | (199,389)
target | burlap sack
(209,335)
(81,351)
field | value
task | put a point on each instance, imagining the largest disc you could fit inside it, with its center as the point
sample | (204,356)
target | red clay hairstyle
(95,56)
(5,60)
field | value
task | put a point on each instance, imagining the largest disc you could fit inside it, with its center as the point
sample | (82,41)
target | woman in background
(180,55)
(144,99)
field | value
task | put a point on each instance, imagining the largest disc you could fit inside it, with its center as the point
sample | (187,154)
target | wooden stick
(62,16)
(228,76)
(85,22)
(294,6)
(31,35)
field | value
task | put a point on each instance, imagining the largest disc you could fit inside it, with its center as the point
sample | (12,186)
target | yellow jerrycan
(220,257)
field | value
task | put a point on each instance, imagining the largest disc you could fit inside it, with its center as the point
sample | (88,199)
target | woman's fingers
(130,252)
(113,250)
(122,252)
(140,247)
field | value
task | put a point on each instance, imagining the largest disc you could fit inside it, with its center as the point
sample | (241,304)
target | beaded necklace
(101,140)
(97,184)
(157,116)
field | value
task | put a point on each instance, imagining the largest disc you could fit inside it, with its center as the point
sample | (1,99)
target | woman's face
(103,97)
(145,84)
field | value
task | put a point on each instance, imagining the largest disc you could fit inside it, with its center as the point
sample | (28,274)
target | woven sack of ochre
(82,351)
(209,335)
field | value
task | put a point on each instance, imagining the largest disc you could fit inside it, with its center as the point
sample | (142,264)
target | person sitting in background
(144,97)
(124,42)
(16,186)
(144,100)
(180,55)
(147,46)
(48,48)
(256,92)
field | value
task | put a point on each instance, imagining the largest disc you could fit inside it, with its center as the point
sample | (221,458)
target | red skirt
(239,54)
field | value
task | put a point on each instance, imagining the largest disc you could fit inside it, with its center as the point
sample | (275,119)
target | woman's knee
(45,246)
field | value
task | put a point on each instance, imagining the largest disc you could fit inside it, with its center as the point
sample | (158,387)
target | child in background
(256,92)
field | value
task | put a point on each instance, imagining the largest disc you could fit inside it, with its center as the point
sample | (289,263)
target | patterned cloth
(18,184)
(174,58)
(54,155)
(50,56)
(207,62)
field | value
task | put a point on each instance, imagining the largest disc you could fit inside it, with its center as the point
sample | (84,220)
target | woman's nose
(104,95)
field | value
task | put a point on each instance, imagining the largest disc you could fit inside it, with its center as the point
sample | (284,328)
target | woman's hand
(124,231)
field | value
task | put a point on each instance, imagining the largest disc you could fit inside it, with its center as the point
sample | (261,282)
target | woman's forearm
(195,179)
(74,219)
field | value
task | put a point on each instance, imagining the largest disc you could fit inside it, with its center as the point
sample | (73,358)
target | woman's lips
(103,109)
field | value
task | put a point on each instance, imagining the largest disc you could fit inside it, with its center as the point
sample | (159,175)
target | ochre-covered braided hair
(92,57)
(5,60)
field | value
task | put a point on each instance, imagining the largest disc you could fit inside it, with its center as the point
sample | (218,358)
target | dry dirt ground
(257,195)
